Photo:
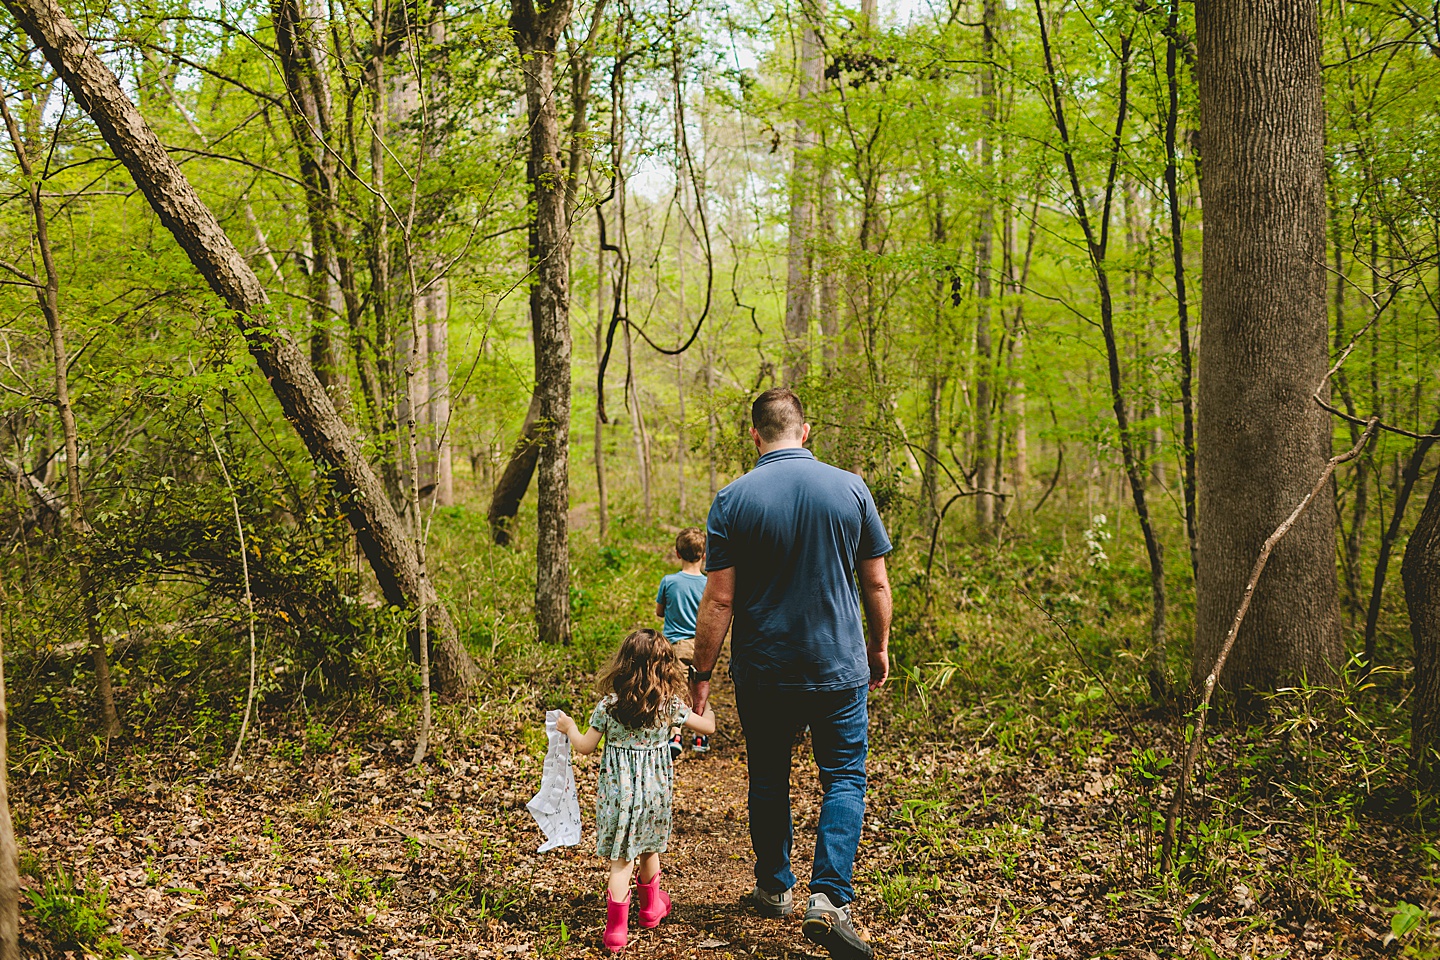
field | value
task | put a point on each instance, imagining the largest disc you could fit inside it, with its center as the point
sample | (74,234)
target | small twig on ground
(422,839)
(1192,752)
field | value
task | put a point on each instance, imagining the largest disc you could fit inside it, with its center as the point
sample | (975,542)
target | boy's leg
(838,731)
(768,724)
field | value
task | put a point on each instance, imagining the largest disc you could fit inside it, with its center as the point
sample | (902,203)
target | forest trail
(708,866)
(354,853)
(331,844)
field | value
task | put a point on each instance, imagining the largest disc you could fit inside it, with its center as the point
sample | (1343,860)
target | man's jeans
(838,722)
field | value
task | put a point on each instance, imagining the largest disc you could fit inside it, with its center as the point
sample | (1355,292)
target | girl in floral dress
(645,692)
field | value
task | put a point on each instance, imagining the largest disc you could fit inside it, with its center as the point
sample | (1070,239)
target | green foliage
(72,912)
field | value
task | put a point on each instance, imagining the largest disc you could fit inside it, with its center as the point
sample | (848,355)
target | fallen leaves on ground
(967,851)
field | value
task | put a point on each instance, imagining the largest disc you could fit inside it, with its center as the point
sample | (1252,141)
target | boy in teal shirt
(677,602)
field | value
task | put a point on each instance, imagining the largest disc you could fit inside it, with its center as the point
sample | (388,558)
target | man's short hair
(690,544)
(777,413)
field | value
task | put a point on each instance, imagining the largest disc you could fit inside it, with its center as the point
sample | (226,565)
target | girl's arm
(702,722)
(581,743)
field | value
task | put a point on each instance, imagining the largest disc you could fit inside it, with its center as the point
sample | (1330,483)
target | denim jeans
(838,721)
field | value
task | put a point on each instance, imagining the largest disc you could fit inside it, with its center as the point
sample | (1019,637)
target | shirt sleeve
(598,717)
(717,546)
(874,541)
(660,594)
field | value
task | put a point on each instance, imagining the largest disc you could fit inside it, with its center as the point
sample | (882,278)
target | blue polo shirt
(794,529)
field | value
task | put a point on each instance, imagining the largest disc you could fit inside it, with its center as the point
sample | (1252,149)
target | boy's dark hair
(690,544)
(777,413)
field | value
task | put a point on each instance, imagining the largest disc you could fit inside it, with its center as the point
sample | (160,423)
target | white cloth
(556,807)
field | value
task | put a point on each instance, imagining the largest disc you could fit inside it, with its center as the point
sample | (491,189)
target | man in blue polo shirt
(787,542)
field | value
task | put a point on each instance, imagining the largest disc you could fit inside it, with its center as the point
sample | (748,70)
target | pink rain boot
(617,923)
(654,902)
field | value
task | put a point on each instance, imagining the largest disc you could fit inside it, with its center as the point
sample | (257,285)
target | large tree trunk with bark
(302,397)
(1261,439)
(537,30)
(1421,573)
(799,286)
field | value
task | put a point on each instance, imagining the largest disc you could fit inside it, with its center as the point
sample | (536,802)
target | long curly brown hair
(645,678)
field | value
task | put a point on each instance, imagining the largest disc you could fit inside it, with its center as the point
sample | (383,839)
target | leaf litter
(967,851)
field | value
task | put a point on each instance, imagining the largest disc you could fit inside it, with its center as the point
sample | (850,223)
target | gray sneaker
(830,927)
(768,904)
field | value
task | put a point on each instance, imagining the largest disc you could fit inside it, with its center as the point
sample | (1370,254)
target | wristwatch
(697,676)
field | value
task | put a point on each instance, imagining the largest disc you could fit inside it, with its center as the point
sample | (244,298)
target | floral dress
(637,779)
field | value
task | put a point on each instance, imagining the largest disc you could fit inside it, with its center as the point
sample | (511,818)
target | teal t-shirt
(680,594)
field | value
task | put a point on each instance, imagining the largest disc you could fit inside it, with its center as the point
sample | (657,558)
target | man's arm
(875,596)
(711,624)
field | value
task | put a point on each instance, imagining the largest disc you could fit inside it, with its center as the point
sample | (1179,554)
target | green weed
(72,913)
(902,892)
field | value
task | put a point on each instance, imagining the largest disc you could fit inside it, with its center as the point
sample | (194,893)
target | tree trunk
(637,429)
(680,439)
(1096,237)
(308,110)
(799,287)
(1177,252)
(1260,438)
(829,306)
(1421,572)
(537,31)
(439,447)
(683,317)
(300,394)
(411,402)
(378,238)
(47,294)
(9,851)
(984,257)
(712,420)
(515,480)
(1411,473)
(602,494)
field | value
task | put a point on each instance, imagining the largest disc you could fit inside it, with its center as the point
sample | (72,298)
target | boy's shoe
(768,904)
(617,923)
(702,743)
(830,927)
(677,747)
(654,902)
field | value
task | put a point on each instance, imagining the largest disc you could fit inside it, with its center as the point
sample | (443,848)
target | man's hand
(699,695)
(879,666)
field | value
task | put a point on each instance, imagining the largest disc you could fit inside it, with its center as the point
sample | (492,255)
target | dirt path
(709,864)
(335,846)
(354,853)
